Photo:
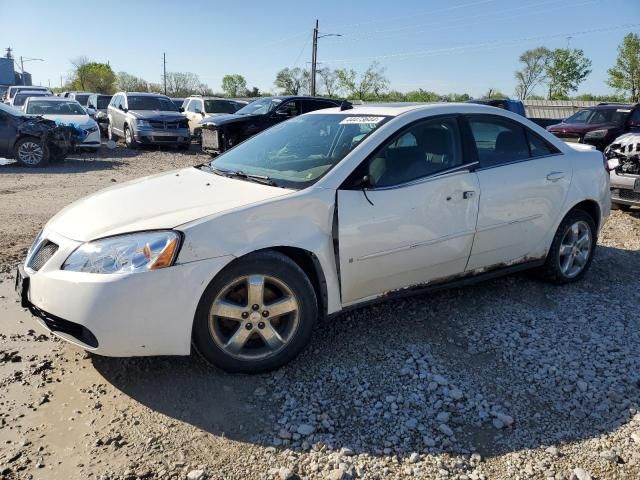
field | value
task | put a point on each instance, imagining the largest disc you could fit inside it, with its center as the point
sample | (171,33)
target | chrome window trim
(468,167)
(528,159)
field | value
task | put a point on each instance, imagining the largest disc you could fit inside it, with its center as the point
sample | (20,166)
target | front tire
(256,315)
(110,134)
(129,139)
(30,152)
(572,249)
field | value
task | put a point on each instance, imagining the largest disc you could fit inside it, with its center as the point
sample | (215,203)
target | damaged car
(239,257)
(623,156)
(32,140)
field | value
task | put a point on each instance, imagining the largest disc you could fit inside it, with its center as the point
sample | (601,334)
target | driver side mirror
(363,182)
(181,109)
(122,108)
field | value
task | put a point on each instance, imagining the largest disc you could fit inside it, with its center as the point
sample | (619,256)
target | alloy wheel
(254,317)
(30,153)
(575,249)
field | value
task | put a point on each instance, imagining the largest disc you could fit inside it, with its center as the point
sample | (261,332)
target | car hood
(227,118)
(75,119)
(580,127)
(165,200)
(156,115)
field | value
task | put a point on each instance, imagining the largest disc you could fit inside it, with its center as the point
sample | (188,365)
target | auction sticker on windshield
(361,120)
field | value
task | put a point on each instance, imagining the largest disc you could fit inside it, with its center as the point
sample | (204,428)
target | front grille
(210,139)
(568,137)
(45,251)
(167,125)
(629,195)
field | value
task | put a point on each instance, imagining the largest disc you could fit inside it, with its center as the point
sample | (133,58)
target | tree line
(559,72)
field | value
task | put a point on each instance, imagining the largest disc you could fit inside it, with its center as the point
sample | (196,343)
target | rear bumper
(622,189)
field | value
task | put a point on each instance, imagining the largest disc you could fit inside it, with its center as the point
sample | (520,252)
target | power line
(374,35)
(475,46)
(415,14)
(304,47)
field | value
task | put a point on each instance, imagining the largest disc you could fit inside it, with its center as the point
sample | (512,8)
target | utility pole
(314,55)
(22,70)
(314,59)
(164,69)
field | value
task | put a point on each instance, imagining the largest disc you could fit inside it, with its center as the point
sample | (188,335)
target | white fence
(554,109)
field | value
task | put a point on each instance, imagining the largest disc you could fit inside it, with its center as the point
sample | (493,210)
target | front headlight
(143,123)
(131,253)
(595,134)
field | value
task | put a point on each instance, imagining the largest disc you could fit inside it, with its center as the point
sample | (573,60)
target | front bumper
(149,313)
(624,190)
(92,141)
(151,136)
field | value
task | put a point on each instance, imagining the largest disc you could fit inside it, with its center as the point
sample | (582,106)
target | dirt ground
(65,414)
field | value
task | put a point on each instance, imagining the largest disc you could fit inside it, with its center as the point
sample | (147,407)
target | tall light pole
(164,71)
(314,55)
(26,59)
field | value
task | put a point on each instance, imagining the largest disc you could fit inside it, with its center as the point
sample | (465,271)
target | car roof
(145,94)
(396,109)
(52,98)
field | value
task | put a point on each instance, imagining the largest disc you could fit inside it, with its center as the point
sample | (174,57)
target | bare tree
(126,82)
(534,71)
(329,81)
(183,84)
(371,82)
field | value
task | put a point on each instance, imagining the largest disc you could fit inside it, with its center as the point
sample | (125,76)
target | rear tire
(270,311)
(572,249)
(31,153)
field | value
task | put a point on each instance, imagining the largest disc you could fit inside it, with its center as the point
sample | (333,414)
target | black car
(33,141)
(222,132)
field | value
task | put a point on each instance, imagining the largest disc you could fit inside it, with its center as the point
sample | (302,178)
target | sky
(440,45)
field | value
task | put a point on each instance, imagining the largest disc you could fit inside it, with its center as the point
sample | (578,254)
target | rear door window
(498,140)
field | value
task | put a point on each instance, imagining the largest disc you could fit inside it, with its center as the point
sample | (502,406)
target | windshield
(260,107)
(103,101)
(140,102)
(296,153)
(220,106)
(20,98)
(600,115)
(48,107)
(82,99)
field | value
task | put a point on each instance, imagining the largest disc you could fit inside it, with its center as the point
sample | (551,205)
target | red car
(598,125)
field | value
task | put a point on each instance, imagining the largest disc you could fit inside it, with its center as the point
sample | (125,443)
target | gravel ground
(509,379)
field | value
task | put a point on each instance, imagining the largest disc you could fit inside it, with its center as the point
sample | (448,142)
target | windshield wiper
(245,176)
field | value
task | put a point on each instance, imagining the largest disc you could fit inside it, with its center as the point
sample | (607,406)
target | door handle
(468,194)
(555,176)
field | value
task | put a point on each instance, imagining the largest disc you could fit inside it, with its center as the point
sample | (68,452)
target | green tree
(370,84)
(624,76)
(92,76)
(421,95)
(533,72)
(566,70)
(494,93)
(234,85)
(125,82)
(293,81)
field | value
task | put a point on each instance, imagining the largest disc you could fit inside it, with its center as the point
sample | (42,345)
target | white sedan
(66,111)
(238,258)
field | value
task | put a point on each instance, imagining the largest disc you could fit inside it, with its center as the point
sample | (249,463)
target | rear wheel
(257,315)
(572,249)
(30,152)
